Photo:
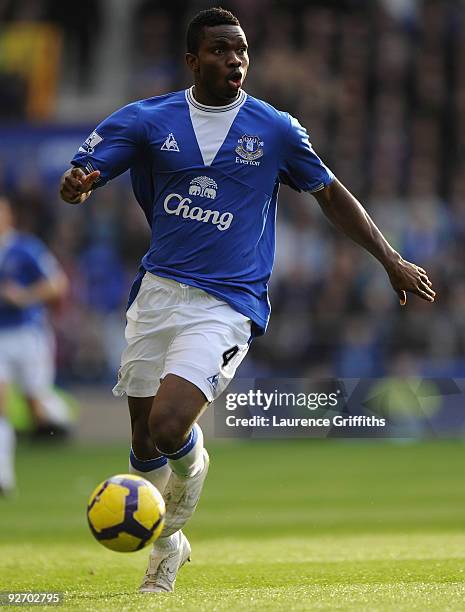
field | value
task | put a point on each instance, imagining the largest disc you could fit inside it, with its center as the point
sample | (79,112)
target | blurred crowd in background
(379,86)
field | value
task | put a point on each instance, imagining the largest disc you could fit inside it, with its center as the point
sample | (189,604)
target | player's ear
(192,62)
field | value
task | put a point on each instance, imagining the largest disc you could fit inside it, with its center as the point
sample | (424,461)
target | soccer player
(206,166)
(30,278)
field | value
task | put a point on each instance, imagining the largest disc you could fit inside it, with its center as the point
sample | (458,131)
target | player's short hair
(207,19)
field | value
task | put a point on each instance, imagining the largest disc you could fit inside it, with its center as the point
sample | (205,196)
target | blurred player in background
(30,278)
(206,166)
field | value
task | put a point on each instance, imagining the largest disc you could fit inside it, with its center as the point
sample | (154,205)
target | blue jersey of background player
(206,165)
(24,261)
(30,277)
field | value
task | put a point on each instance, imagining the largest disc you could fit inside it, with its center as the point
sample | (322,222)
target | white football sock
(188,460)
(189,467)
(7,454)
(157,471)
(56,409)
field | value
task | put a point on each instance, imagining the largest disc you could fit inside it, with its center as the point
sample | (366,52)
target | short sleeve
(39,261)
(300,167)
(112,146)
(47,264)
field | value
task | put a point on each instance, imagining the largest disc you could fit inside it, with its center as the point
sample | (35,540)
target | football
(126,513)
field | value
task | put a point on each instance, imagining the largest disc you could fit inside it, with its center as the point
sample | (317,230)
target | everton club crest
(249,149)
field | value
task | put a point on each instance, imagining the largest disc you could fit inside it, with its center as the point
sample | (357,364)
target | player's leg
(149,331)
(8,341)
(55,409)
(144,459)
(174,431)
(176,330)
(176,434)
(203,357)
(7,446)
(36,409)
(35,373)
(56,412)
(176,408)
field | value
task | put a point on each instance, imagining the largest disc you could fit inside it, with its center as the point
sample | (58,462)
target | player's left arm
(41,292)
(49,282)
(347,214)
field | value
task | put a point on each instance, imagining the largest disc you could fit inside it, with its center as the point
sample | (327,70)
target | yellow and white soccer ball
(126,513)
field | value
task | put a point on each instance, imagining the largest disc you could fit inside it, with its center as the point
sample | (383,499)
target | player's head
(217,54)
(6,214)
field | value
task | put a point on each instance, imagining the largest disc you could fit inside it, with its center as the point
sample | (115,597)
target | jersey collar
(214,109)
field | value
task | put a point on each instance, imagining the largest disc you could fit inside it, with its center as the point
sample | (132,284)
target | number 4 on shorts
(229,354)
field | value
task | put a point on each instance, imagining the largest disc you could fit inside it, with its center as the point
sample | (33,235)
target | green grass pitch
(294,525)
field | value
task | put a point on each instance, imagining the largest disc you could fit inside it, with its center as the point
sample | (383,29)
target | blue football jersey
(24,260)
(207,179)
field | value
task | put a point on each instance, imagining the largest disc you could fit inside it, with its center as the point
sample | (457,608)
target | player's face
(220,67)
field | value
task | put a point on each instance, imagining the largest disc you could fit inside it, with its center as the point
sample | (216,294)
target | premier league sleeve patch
(90,143)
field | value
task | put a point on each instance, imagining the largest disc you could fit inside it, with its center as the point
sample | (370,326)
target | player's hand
(408,277)
(76,185)
(14,294)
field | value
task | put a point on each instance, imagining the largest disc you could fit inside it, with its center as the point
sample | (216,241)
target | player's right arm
(76,185)
(107,152)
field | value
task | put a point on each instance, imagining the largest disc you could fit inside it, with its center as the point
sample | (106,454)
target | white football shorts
(27,358)
(173,328)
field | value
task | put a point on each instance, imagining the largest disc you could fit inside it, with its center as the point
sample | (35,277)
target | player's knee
(143,446)
(167,430)
(169,437)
